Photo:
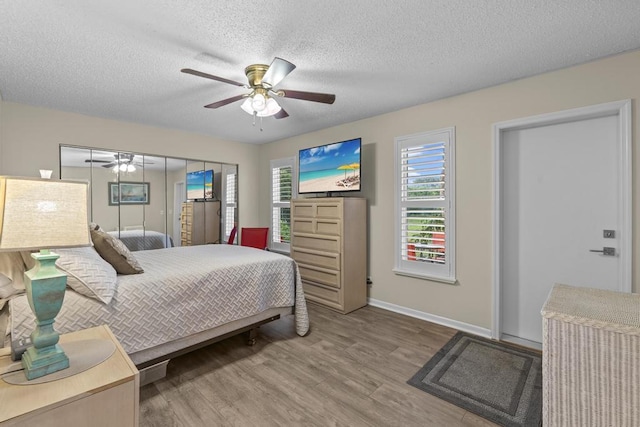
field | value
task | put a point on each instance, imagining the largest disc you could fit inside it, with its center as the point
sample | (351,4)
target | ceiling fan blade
(325,98)
(225,101)
(109,165)
(212,77)
(97,161)
(278,70)
(281,114)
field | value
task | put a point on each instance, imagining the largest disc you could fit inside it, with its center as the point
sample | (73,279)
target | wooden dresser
(590,358)
(199,223)
(105,395)
(329,243)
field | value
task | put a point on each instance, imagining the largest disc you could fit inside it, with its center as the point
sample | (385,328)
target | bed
(186,298)
(143,240)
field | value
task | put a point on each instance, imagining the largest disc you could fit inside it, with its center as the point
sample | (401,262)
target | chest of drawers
(329,243)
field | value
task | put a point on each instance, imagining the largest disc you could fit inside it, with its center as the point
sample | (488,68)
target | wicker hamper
(591,358)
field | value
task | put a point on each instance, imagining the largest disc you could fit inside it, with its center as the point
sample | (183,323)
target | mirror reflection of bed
(137,238)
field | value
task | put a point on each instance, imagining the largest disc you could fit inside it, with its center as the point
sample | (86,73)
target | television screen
(330,168)
(200,185)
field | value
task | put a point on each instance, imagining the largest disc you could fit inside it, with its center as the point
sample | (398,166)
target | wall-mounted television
(330,168)
(200,185)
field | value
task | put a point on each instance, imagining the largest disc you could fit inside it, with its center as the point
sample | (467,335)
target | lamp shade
(41,213)
(269,108)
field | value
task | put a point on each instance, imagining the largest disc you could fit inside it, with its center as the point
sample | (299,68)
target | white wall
(473,115)
(30,137)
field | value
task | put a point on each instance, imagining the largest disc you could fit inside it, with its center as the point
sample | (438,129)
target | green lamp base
(38,363)
(45,286)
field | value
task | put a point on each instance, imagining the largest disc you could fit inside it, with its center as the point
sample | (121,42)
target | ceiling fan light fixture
(259,102)
(123,167)
(270,108)
(247,107)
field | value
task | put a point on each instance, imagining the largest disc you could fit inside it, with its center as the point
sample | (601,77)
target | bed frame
(152,362)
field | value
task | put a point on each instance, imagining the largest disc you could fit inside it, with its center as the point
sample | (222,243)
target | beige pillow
(6,288)
(115,253)
(87,273)
(12,266)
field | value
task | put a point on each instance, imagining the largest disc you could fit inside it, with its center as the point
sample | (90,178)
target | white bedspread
(184,290)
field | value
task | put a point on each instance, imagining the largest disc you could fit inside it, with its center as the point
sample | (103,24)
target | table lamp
(42,214)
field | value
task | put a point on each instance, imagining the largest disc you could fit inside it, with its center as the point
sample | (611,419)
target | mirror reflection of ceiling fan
(122,162)
(260,101)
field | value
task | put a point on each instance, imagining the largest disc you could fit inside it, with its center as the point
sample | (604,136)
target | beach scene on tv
(200,185)
(330,168)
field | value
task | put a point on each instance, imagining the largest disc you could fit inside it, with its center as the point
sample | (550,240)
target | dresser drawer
(329,210)
(302,225)
(328,226)
(317,209)
(317,242)
(329,260)
(303,210)
(321,294)
(324,276)
(320,275)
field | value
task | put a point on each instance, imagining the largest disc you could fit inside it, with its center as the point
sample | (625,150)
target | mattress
(183,291)
(143,240)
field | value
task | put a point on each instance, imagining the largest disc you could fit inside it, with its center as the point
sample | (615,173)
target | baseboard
(461,326)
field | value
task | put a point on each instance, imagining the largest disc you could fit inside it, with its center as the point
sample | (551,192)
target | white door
(560,191)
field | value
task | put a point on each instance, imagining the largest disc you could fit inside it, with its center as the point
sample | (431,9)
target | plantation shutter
(282,191)
(423,225)
(424,204)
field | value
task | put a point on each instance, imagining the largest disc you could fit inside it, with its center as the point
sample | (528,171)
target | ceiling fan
(123,162)
(263,79)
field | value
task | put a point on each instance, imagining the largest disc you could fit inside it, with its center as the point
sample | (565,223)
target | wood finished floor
(351,370)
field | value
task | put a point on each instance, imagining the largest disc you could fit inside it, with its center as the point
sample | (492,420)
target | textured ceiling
(121,59)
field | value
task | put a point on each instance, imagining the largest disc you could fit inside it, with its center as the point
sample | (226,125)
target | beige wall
(473,115)
(30,137)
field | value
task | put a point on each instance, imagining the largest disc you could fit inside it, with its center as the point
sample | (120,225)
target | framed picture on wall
(128,193)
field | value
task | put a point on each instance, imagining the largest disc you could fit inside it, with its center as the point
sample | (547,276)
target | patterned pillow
(115,253)
(87,273)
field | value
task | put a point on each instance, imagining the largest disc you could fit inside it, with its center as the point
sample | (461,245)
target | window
(283,185)
(425,217)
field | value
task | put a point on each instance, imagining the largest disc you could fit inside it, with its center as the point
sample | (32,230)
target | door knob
(607,251)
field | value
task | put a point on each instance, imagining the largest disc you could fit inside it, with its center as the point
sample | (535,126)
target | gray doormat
(496,381)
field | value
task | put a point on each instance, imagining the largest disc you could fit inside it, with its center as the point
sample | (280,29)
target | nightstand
(105,395)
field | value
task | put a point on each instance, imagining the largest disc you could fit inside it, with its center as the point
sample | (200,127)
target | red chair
(254,237)
(232,236)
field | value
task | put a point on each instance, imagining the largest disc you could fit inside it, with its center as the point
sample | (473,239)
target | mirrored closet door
(151,201)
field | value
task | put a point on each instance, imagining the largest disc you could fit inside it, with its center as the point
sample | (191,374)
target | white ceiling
(121,59)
